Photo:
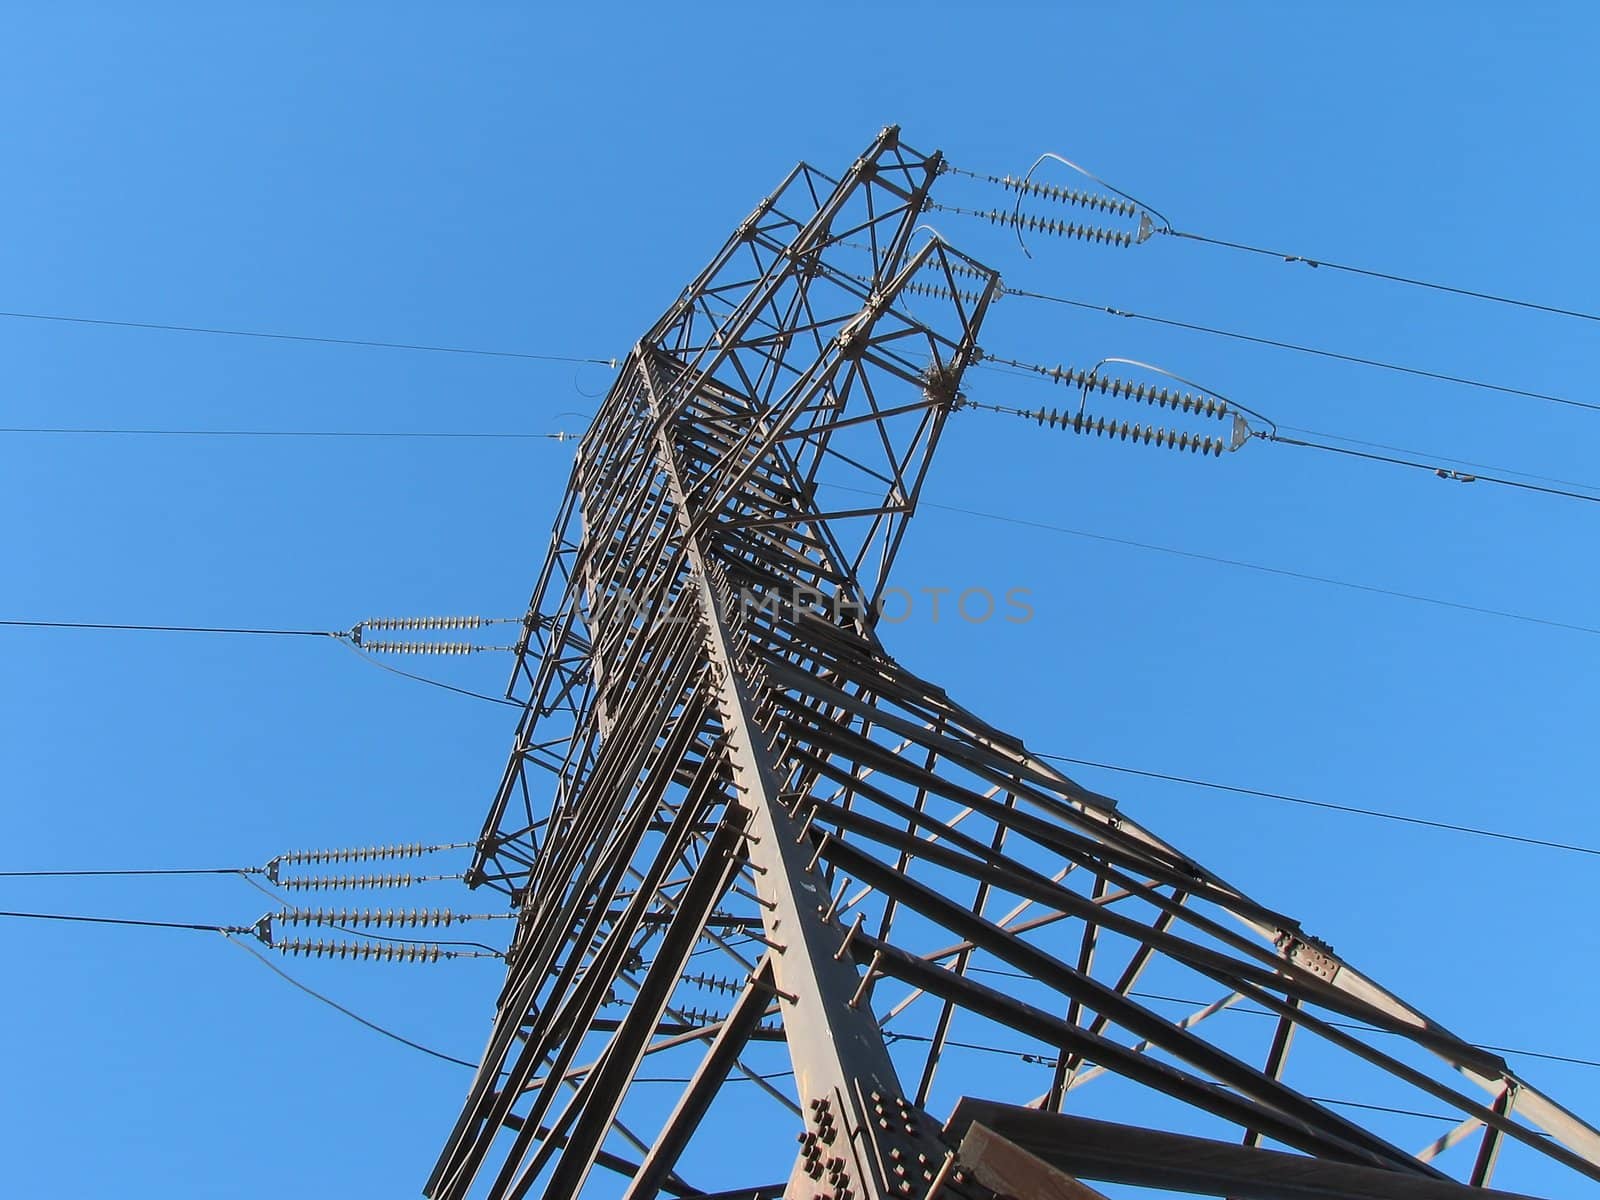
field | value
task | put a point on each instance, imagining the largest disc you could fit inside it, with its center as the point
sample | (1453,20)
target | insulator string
(446,649)
(1439,471)
(1390,277)
(1123,208)
(1358,360)
(426,952)
(1162,397)
(930,290)
(1033,224)
(334,1004)
(1127,206)
(321,883)
(1084,422)
(1088,423)
(385,918)
(1162,225)
(366,854)
(301,337)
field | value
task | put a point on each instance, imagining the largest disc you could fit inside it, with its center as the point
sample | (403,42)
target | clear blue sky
(489,175)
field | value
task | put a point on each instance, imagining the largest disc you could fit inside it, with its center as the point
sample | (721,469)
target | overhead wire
(1391,277)
(488,435)
(1460,462)
(1048,1060)
(1261,1012)
(1085,422)
(235,934)
(293,858)
(436,683)
(334,1004)
(1476,831)
(310,338)
(1162,225)
(123,627)
(1392,460)
(1036,373)
(1245,564)
(1359,360)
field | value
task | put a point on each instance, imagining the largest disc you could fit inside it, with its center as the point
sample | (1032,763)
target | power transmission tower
(724,785)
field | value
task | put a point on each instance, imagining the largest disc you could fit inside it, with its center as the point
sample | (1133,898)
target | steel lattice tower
(719,756)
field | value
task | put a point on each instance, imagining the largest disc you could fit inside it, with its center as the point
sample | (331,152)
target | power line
(338,636)
(437,683)
(1326,804)
(490,435)
(1195,555)
(1282,572)
(1047,1060)
(1082,421)
(1153,221)
(125,921)
(1350,452)
(124,873)
(129,628)
(231,932)
(1246,1010)
(1261,1012)
(302,337)
(1037,372)
(1463,380)
(334,1004)
(1370,273)
(1460,462)
(1243,564)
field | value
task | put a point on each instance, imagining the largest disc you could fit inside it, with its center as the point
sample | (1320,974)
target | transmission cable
(1331,806)
(1033,372)
(1173,323)
(232,933)
(1376,813)
(1385,275)
(466,435)
(312,338)
(1210,402)
(334,1004)
(292,858)
(126,921)
(1048,1060)
(1245,564)
(122,873)
(344,638)
(437,683)
(1246,1010)
(1351,452)
(130,628)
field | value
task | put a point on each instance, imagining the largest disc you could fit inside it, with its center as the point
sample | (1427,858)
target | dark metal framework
(753,802)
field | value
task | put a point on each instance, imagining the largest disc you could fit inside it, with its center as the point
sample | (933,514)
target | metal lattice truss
(783,888)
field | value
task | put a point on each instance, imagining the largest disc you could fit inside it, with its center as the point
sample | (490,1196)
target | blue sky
(546,181)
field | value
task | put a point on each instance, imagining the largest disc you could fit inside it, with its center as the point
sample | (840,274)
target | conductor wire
(1370,273)
(1418,372)
(334,1004)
